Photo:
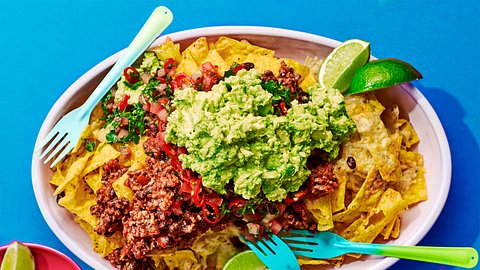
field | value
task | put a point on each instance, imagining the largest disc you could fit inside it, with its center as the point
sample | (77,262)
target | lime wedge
(382,73)
(243,261)
(341,64)
(18,257)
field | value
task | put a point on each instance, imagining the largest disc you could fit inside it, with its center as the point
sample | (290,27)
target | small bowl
(416,222)
(46,258)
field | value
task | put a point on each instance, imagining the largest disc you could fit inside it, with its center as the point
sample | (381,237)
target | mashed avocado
(231,133)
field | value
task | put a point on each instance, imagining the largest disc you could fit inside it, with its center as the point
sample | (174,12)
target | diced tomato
(289,200)
(122,105)
(181,80)
(275,226)
(162,115)
(125,151)
(168,149)
(131,74)
(210,76)
(161,80)
(186,187)
(163,101)
(169,65)
(238,68)
(155,107)
(176,164)
(283,108)
(177,207)
(181,150)
(142,179)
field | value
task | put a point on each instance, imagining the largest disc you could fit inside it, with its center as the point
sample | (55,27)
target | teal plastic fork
(274,253)
(324,245)
(66,133)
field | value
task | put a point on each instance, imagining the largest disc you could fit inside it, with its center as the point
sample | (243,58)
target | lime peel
(382,73)
(342,63)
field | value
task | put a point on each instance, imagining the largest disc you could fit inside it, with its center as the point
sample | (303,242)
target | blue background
(46,45)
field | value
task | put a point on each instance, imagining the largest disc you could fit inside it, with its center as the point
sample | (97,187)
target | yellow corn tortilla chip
(321,209)
(78,199)
(308,81)
(338,196)
(180,259)
(233,50)
(104,153)
(73,172)
(409,135)
(368,227)
(119,187)
(387,231)
(168,50)
(58,177)
(368,195)
(198,50)
(215,58)
(412,185)
(396,228)
(366,115)
(101,244)
(87,131)
(187,64)
(94,180)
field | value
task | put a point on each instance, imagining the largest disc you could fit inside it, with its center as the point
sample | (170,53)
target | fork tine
(54,142)
(303,253)
(302,239)
(65,151)
(304,247)
(302,232)
(47,138)
(264,247)
(56,150)
(252,246)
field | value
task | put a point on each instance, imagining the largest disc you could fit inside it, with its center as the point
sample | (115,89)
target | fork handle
(158,21)
(456,256)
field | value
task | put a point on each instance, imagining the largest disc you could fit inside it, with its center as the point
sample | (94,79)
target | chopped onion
(161,72)
(145,77)
(122,133)
(253,228)
(162,115)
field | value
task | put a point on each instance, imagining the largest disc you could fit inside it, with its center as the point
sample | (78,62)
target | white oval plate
(416,222)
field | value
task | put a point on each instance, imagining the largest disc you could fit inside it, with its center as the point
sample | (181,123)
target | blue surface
(47,45)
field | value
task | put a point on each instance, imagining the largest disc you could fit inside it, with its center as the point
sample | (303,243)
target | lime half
(341,64)
(382,73)
(245,260)
(18,257)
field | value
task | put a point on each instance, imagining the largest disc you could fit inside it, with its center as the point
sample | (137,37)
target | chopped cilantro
(135,127)
(89,145)
(133,86)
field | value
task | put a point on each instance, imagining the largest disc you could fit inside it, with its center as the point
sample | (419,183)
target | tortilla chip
(119,187)
(368,195)
(396,228)
(87,131)
(198,50)
(101,244)
(321,209)
(180,259)
(73,172)
(215,58)
(409,135)
(412,185)
(368,227)
(386,232)
(94,180)
(104,153)
(78,199)
(232,50)
(168,50)
(187,64)
(308,81)
(338,196)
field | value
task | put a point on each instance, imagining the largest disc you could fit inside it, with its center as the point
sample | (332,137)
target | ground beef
(289,79)
(110,209)
(322,180)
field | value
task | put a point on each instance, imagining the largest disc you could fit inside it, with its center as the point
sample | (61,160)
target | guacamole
(231,134)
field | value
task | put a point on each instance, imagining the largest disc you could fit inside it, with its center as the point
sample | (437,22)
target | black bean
(351,163)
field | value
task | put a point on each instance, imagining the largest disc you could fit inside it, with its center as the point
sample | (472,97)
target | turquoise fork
(66,133)
(274,253)
(324,245)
